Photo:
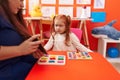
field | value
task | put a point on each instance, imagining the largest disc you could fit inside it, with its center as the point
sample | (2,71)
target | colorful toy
(78,55)
(113,52)
(52,60)
(106,31)
(36,11)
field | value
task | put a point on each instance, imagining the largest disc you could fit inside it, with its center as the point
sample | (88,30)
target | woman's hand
(29,46)
(38,54)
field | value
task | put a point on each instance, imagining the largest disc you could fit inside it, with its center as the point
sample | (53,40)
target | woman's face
(16,5)
(59,26)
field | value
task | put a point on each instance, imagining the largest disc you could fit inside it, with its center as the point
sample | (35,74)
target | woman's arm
(25,48)
(9,52)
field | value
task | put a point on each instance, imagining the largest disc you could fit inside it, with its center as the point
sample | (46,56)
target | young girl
(62,38)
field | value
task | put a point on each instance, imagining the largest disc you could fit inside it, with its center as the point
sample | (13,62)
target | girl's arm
(77,43)
(49,44)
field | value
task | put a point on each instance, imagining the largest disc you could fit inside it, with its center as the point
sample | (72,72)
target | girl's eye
(56,25)
(60,25)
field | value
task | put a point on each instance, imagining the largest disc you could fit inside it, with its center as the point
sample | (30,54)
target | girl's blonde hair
(67,22)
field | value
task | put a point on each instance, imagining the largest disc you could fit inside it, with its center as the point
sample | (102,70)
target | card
(78,55)
(52,60)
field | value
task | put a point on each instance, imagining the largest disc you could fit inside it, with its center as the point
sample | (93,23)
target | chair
(77,32)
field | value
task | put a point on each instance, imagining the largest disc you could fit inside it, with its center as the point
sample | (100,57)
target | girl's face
(16,5)
(59,26)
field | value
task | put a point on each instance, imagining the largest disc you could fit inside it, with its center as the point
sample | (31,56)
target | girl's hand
(29,46)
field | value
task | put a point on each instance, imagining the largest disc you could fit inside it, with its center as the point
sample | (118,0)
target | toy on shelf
(106,31)
(113,52)
(36,11)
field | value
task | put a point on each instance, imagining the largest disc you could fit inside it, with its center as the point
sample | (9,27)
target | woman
(16,45)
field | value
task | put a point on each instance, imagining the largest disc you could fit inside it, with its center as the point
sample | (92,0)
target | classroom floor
(116,66)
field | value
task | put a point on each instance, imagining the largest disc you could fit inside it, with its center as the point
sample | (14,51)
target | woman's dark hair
(15,19)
